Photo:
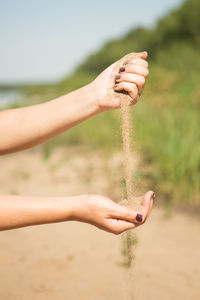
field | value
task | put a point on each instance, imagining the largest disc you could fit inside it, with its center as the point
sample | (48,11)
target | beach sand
(77,261)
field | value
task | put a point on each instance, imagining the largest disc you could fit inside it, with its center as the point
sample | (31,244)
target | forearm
(19,211)
(25,127)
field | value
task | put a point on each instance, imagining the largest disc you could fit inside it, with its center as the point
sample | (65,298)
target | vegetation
(167,118)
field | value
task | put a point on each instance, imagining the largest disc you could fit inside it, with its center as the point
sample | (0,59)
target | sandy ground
(77,261)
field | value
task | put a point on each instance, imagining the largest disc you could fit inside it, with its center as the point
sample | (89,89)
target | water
(9,97)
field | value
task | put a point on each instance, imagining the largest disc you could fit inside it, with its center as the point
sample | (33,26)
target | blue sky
(43,40)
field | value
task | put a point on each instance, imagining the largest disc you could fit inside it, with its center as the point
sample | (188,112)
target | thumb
(124,213)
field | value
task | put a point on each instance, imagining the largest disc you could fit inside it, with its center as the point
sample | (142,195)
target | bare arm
(25,127)
(19,211)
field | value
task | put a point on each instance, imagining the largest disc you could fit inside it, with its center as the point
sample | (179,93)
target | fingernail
(153,196)
(139,217)
(117,77)
(122,69)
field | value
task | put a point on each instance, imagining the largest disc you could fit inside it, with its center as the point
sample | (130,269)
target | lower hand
(109,216)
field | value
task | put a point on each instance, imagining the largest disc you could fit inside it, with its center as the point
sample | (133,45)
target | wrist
(91,98)
(79,207)
(97,95)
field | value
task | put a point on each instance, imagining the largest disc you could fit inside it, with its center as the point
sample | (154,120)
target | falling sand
(129,239)
(125,102)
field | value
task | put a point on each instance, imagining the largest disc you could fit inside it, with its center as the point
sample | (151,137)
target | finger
(127,214)
(117,226)
(143,54)
(133,78)
(146,205)
(151,205)
(129,87)
(135,69)
(137,61)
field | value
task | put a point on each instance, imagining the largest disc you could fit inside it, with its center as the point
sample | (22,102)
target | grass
(170,141)
(168,129)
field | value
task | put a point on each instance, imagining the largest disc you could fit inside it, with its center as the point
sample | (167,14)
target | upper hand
(132,79)
(109,216)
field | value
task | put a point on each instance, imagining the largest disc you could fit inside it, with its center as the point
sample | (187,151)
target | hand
(109,216)
(131,78)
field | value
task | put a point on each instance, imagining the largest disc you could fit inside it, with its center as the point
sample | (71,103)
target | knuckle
(135,89)
(128,217)
(147,72)
(142,80)
(136,99)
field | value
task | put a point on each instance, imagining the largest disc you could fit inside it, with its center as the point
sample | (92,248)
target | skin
(18,211)
(26,127)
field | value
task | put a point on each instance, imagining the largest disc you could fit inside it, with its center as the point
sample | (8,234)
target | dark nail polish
(139,217)
(117,77)
(122,69)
